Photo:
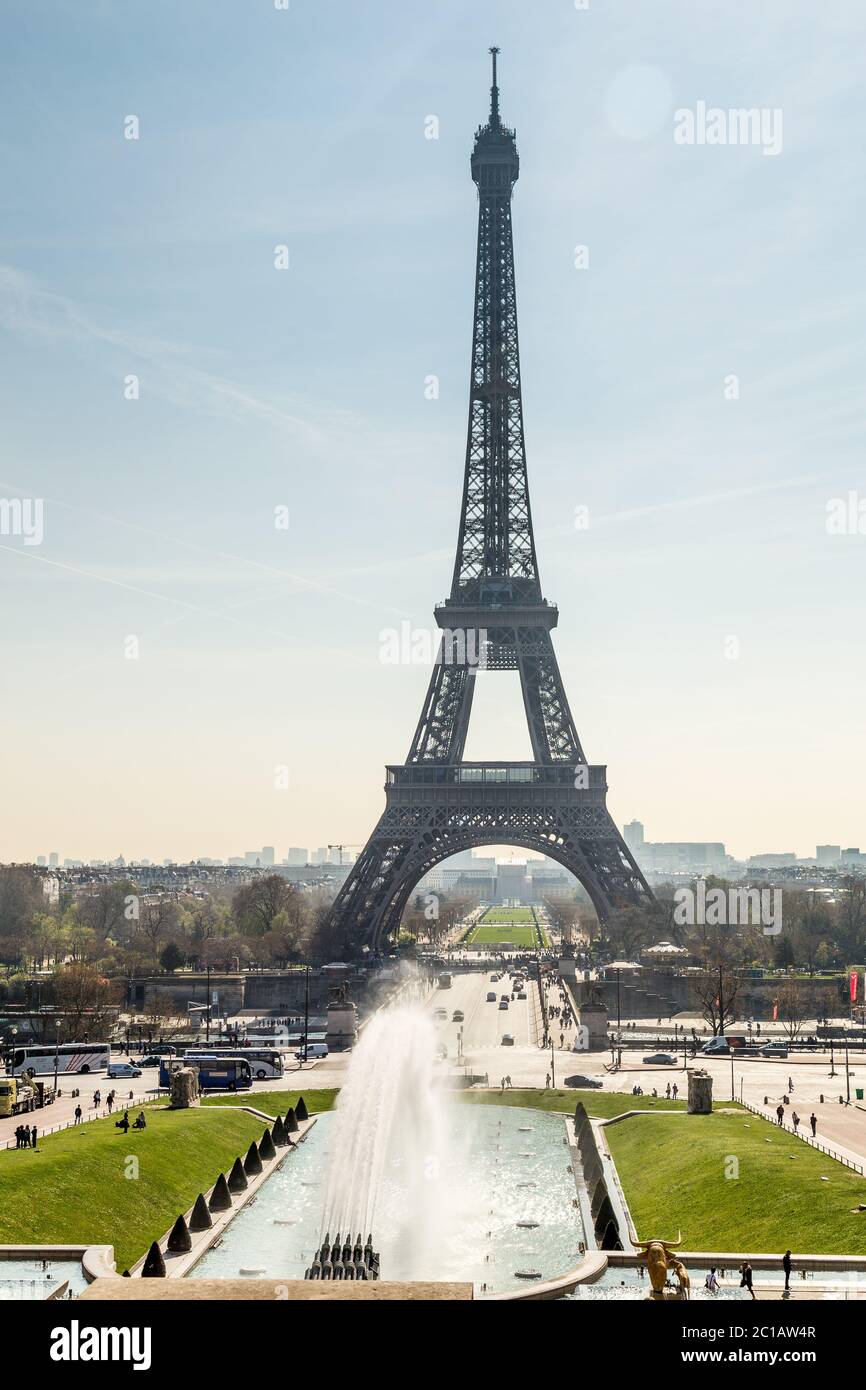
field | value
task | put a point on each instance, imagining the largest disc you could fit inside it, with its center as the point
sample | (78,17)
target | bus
(214,1073)
(70,1057)
(265,1064)
(444,980)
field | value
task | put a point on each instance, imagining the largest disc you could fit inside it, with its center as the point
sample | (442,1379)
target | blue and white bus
(265,1064)
(70,1057)
(214,1073)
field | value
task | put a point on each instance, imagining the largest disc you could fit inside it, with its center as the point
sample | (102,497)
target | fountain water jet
(388,1113)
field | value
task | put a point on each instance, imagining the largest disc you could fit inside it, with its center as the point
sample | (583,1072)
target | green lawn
(601,1105)
(674,1173)
(80,1187)
(278,1102)
(512,925)
(495,936)
(508,914)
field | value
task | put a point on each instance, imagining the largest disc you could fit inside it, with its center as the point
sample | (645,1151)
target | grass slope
(278,1102)
(79,1187)
(673,1173)
(601,1105)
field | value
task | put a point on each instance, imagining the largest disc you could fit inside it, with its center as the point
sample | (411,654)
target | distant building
(267,854)
(633,836)
(853,858)
(40,860)
(53,859)
(828,854)
(771,861)
(296,857)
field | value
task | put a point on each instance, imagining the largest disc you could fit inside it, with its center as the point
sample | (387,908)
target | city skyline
(181,670)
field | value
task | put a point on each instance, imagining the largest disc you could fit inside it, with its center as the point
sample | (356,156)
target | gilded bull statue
(660,1262)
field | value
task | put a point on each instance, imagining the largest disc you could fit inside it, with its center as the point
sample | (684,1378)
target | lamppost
(56,1054)
(306,1007)
(847,1073)
(207,1011)
(552,1067)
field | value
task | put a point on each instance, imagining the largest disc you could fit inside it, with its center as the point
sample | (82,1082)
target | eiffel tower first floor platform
(434,810)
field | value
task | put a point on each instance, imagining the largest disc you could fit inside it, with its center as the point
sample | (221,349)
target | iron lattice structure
(494,619)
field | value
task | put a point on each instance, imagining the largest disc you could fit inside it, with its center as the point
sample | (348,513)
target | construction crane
(341,848)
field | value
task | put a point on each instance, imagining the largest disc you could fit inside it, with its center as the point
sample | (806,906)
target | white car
(116,1071)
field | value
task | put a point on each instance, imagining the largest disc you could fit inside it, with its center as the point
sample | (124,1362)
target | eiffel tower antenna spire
(494,93)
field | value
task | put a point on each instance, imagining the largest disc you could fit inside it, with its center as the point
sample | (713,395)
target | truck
(18,1096)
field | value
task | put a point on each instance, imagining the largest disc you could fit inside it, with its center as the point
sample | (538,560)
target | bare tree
(794,1004)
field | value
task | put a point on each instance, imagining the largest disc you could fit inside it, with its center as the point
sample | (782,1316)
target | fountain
(389,1112)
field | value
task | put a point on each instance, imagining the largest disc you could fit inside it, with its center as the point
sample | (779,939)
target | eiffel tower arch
(496,619)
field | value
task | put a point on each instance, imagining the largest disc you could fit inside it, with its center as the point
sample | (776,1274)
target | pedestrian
(746,1278)
(786,1265)
(790,1085)
(668,1091)
(675,1090)
(508,1082)
(711,1282)
(780,1113)
(547,1081)
(109,1100)
(501,1085)
(78,1114)
(19,1137)
(33,1137)
(795,1120)
(813,1121)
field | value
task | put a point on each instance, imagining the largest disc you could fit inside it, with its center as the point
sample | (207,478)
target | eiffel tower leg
(551,727)
(441,732)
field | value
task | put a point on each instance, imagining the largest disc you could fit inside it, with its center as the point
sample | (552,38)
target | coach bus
(265,1064)
(214,1073)
(70,1057)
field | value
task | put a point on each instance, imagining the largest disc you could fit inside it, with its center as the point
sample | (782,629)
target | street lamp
(552,1067)
(847,1073)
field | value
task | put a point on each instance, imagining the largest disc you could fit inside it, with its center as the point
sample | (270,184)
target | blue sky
(259,388)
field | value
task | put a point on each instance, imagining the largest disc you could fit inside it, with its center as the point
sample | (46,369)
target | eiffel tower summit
(495,619)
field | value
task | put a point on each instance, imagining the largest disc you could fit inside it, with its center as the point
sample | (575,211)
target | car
(521,994)
(151,1060)
(491,996)
(583,1083)
(773,1050)
(494,979)
(507,1039)
(441,1015)
(505,997)
(457,1016)
(660,1059)
(116,1070)
(503,1003)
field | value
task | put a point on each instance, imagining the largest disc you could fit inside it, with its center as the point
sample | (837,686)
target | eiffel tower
(437,804)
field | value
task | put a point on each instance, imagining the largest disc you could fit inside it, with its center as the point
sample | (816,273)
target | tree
(794,1004)
(171,957)
(21,898)
(267,904)
(86,998)
(716,988)
(851,917)
(158,918)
